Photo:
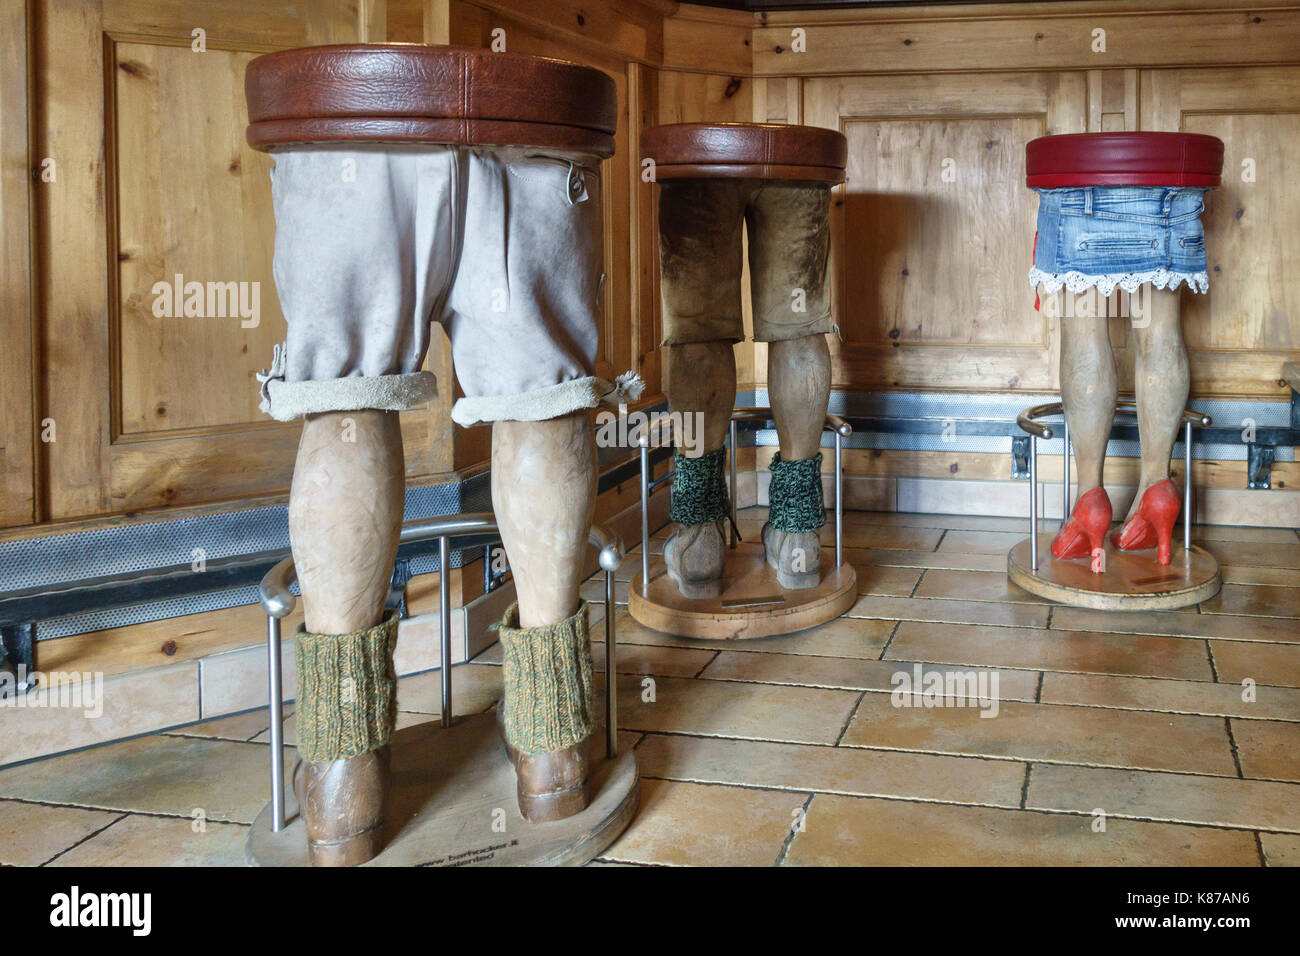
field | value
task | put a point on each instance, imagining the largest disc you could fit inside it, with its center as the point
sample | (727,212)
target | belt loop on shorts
(1087,201)
(1169,201)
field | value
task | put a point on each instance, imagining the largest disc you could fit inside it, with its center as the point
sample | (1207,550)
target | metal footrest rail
(645,434)
(1028,422)
(278,601)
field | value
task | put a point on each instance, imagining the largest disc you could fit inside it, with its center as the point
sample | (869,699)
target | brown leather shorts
(788,224)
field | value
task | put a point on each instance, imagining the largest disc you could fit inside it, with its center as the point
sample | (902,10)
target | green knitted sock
(347,691)
(699,488)
(796,494)
(547,675)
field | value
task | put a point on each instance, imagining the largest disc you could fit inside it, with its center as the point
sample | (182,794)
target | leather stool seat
(745,151)
(1123,159)
(404,93)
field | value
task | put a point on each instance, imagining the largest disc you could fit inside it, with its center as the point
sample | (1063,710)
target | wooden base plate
(752,603)
(1132,580)
(448,788)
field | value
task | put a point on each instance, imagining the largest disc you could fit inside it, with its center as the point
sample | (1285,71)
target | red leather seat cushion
(427,94)
(1124,159)
(745,150)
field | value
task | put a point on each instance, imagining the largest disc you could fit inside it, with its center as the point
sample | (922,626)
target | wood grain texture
(747,577)
(18,425)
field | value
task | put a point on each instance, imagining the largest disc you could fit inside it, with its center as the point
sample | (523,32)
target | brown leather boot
(546,716)
(695,556)
(796,556)
(342,804)
(550,786)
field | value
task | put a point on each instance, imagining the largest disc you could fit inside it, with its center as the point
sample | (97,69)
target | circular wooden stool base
(1132,581)
(445,790)
(752,603)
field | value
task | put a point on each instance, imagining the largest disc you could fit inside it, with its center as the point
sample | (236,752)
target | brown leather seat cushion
(427,94)
(745,150)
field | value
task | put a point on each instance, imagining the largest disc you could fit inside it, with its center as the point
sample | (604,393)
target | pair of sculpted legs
(1089,387)
(364,264)
(700,223)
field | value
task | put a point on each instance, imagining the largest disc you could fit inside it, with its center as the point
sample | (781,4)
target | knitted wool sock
(796,494)
(547,675)
(347,691)
(699,488)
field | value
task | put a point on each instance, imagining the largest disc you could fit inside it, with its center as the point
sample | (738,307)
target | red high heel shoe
(1152,525)
(1085,532)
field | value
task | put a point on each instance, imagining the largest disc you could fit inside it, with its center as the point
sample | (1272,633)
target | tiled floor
(1164,738)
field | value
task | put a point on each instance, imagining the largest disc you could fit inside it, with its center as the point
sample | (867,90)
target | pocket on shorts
(568,179)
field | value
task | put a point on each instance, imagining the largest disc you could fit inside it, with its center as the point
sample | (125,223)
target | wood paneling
(1241,334)
(17,165)
(932,231)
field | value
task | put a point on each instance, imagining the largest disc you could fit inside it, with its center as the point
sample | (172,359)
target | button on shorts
(700,257)
(500,246)
(1108,236)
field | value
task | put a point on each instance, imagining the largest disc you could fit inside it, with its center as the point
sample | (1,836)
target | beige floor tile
(894,582)
(404,719)
(848,673)
(983,542)
(952,612)
(1174,696)
(31,833)
(1177,624)
(593,590)
(228,781)
(843,637)
(1133,654)
(854,831)
(1267,749)
(973,586)
(1280,849)
(1252,554)
(954,521)
(657,661)
(689,824)
(1275,664)
(1175,797)
(1226,532)
(236,727)
(1091,735)
(956,560)
(1276,577)
(713,708)
(832,769)
(1262,600)
(895,539)
(161,841)
(474,688)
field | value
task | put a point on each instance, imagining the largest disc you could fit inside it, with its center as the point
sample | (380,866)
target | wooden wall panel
(932,232)
(17,422)
(1241,334)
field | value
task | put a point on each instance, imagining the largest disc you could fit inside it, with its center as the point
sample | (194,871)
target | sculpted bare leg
(543,492)
(701,380)
(799,385)
(345,512)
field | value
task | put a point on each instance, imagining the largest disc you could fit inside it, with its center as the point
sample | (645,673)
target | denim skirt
(1109,236)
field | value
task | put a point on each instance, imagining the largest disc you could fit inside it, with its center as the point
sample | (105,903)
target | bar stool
(1120,211)
(415,185)
(717,184)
